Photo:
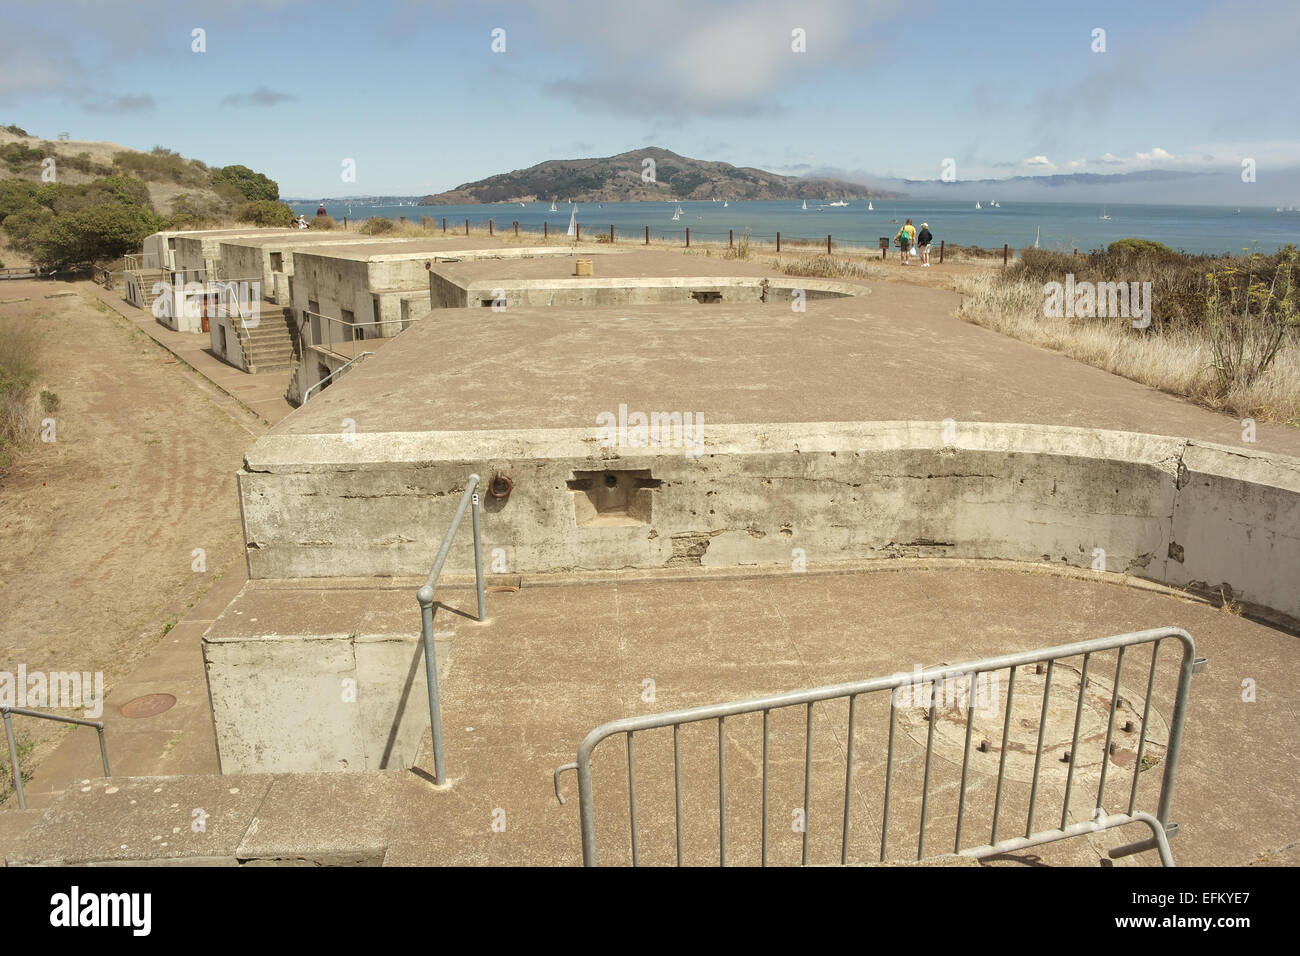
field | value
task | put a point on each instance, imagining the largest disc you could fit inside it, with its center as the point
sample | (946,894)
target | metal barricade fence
(930,687)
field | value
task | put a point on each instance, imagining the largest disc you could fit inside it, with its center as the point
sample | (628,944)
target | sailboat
(838,202)
(1036,235)
(870,208)
(573,222)
(678,213)
(977,204)
(804,207)
(1103,213)
(724,204)
(553,209)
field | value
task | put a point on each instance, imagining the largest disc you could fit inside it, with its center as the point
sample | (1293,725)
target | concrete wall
(289,694)
(1165,509)
(222,330)
(445,291)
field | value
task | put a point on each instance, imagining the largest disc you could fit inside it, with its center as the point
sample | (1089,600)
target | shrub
(92,234)
(377,224)
(266,212)
(323,222)
(15,194)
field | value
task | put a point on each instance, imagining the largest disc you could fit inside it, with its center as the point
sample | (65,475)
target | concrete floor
(555,661)
(896,354)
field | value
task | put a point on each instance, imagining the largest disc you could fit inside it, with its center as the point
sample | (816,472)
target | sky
(424,95)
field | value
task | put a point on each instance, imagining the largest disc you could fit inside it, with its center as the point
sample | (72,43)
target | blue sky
(414,94)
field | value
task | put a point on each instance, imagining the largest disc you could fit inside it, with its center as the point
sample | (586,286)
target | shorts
(924,248)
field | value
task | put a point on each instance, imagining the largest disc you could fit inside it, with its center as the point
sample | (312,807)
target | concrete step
(14,825)
(246,819)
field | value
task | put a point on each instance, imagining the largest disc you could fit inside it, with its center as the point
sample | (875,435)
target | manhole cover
(150,705)
(950,725)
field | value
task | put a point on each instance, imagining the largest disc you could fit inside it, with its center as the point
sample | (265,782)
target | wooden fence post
(489,227)
(688,237)
(546,229)
(611,232)
(731,238)
(467,227)
(778,242)
(1005,248)
(647,235)
(940,252)
(828,245)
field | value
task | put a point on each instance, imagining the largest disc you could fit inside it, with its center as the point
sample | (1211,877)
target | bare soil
(98,529)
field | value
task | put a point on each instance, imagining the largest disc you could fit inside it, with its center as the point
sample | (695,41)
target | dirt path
(98,530)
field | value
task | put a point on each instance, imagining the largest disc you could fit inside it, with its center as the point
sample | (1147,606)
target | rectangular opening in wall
(613,498)
(277,262)
(707,296)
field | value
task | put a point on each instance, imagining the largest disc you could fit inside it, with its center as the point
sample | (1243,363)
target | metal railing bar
(631,793)
(677,787)
(889,782)
(925,783)
(766,715)
(1074,741)
(1038,754)
(425,596)
(342,368)
(1002,757)
(1110,726)
(848,786)
(722,794)
(807,782)
(1142,740)
(965,759)
(6,713)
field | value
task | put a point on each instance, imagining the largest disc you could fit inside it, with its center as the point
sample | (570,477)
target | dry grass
(1179,361)
(19,364)
(830,267)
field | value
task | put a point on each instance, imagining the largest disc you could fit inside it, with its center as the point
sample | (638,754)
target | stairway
(147,278)
(271,345)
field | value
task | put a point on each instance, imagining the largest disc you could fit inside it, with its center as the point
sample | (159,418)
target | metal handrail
(425,597)
(934,677)
(6,712)
(328,322)
(345,365)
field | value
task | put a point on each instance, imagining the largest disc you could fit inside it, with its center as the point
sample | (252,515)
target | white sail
(870,208)
(1036,235)
(573,222)
(805,206)
(977,204)
(553,209)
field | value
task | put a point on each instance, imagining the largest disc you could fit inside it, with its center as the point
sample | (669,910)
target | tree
(91,234)
(266,212)
(252,186)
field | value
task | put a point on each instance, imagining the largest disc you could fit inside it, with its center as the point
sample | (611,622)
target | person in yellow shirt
(906,238)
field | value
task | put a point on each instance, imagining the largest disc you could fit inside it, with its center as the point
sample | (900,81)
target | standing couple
(908,239)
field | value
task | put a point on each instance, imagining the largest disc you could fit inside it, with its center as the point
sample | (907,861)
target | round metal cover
(150,705)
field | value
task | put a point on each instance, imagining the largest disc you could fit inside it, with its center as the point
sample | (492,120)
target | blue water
(1064,226)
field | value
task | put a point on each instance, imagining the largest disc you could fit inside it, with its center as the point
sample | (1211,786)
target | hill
(184,191)
(619,179)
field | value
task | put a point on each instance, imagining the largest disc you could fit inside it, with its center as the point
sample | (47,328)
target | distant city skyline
(420,97)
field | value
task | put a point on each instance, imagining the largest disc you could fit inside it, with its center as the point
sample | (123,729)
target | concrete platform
(558,658)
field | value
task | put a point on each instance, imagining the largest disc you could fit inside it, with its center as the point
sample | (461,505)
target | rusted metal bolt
(984,746)
(1128,726)
(1065,757)
(1113,748)
(1039,668)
